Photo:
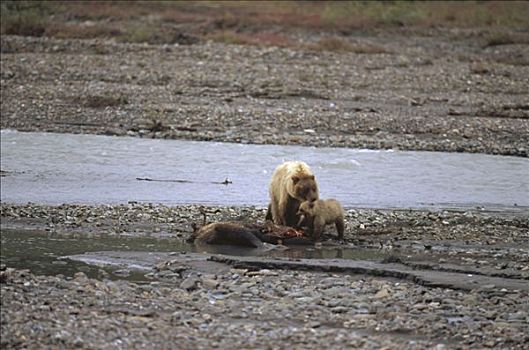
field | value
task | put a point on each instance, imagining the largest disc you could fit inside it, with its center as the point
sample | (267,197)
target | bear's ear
(295,179)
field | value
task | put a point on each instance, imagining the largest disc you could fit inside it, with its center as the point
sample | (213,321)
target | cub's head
(306,208)
(305,188)
(305,212)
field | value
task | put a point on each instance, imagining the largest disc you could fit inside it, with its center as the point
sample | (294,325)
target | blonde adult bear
(319,213)
(292,183)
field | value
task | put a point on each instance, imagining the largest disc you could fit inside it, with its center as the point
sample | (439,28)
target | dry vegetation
(250,22)
(497,39)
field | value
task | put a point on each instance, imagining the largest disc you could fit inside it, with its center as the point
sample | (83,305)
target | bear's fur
(231,233)
(291,184)
(319,213)
(244,234)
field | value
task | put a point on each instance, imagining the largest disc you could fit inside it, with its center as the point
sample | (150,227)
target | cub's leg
(318,227)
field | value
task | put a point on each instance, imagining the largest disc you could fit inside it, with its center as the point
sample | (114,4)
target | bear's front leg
(278,212)
(291,213)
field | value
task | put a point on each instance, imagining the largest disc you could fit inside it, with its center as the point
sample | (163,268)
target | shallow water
(126,257)
(42,252)
(92,169)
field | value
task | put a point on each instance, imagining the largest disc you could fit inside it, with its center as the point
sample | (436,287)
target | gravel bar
(262,308)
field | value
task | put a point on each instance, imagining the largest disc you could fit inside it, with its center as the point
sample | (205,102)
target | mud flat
(396,298)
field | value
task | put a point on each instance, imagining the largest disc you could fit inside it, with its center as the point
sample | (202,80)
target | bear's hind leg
(269,216)
(340,227)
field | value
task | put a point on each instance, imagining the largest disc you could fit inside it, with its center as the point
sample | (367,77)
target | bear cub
(316,215)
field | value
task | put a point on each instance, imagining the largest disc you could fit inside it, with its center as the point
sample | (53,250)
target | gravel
(426,94)
(256,309)
(362,226)
(261,308)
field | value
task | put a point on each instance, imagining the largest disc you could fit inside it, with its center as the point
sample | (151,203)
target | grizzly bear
(319,213)
(291,184)
(232,233)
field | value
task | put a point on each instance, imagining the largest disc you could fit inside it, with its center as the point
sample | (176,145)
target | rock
(121,272)
(383,293)
(209,283)
(190,283)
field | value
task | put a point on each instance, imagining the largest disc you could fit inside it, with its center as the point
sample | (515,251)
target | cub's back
(333,208)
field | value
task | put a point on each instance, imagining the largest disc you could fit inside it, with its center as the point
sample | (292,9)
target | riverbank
(362,225)
(226,306)
(430,90)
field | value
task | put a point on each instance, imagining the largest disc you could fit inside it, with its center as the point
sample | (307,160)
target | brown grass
(98,10)
(78,31)
(258,39)
(340,15)
(24,18)
(251,22)
(497,39)
(230,37)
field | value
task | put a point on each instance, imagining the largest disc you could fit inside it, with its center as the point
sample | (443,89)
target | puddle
(41,252)
(125,257)
(92,169)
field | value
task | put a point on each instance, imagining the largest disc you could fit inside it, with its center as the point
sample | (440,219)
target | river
(50,168)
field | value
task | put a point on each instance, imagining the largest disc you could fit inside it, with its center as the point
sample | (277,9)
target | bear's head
(305,188)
